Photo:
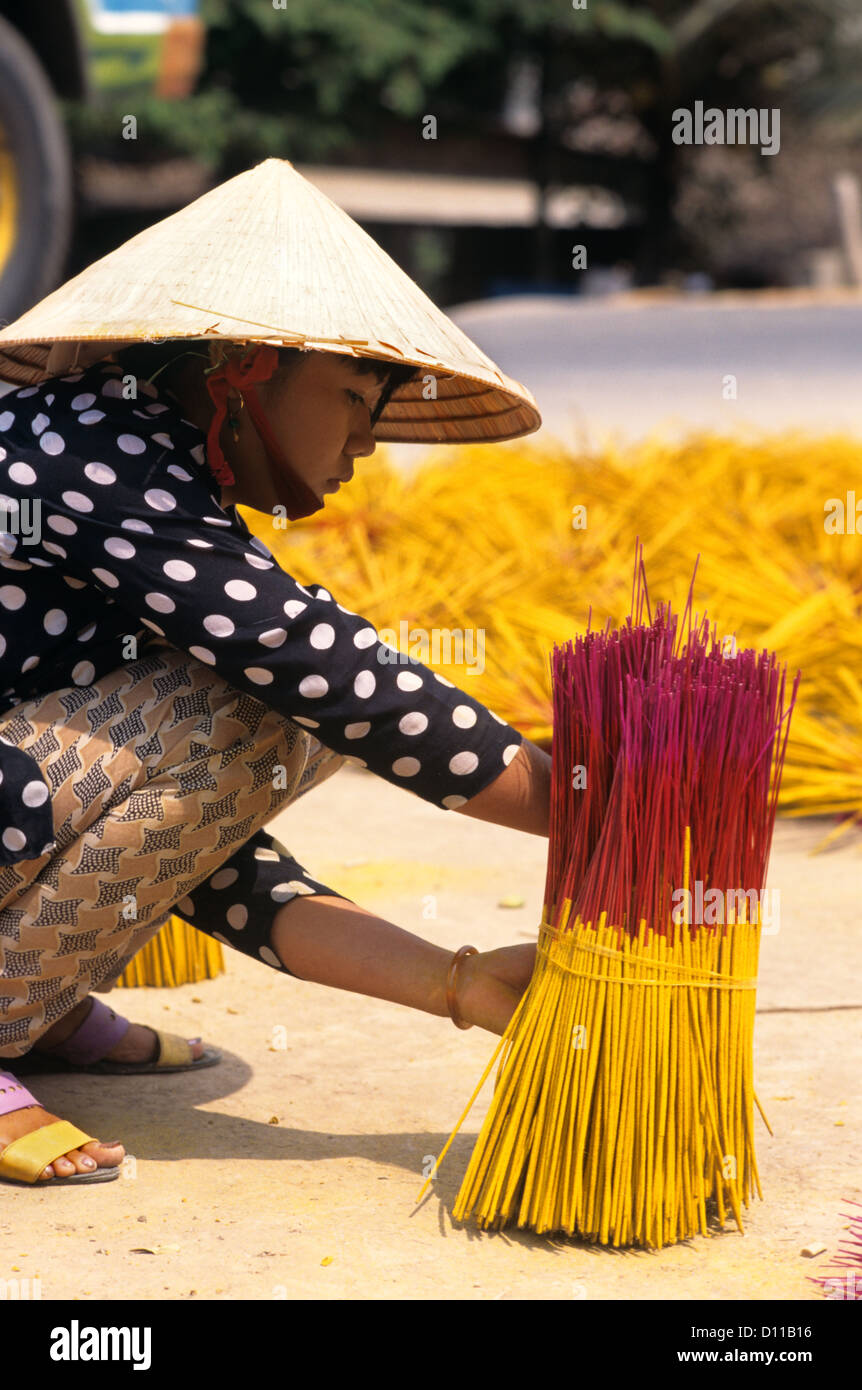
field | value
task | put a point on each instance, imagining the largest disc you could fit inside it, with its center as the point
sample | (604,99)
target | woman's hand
(490,984)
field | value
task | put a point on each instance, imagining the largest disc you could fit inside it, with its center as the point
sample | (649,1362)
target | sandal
(22,1161)
(85,1049)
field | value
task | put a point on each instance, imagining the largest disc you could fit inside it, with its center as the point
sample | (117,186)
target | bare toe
(104,1155)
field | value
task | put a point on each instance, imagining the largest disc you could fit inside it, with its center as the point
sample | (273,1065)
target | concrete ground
(306,1146)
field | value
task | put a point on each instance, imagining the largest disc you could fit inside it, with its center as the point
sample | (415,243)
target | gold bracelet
(451,1001)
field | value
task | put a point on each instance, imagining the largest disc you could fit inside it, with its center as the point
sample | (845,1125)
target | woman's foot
(84,1160)
(139,1044)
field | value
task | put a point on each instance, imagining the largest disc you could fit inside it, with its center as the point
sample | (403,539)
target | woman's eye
(356,397)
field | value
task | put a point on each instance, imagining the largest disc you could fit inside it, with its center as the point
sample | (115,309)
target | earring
(233,421)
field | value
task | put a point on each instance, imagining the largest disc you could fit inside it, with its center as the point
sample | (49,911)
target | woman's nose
(361,443)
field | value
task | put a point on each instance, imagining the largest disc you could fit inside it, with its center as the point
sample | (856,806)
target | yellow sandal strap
(25,1158)
(175,1051)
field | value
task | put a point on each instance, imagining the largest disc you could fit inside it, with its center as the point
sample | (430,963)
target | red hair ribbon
(258,364)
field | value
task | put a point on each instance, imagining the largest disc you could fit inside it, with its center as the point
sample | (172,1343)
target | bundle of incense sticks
(176,955)
(624,1098)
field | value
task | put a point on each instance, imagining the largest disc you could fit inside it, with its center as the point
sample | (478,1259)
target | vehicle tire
(36,196)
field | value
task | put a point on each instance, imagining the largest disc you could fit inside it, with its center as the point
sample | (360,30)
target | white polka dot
(283,891)
(496,716)
(259,675)
(84,673)
(39,423)
(357,730)
(218,936)
(464,716)
(100,473)
(9,503)
(155,627)
(309,723)
(77,501)
(157,407)
(133,524)
(199,544)
(186,907)
(266,856)
(273,638)
(179,570)
(413,723)
(81,402)
(2,650)
(203,654)
(29,664)
(323,593)
(218,625)
(54,549)
(7,420)
(453,802)
(63,525)
(162,603)
(294,607)
(313,687)
(269,956)
(217,520)
(55,621)
(2,455)
(240,590)
(119,548)
(91,417)
(159,499)
(87,633)
(13,839)
(107,578)
(167,443)
(408,680)
(509,753)
(322,636)
(12,597)
(237,916)
(174,468)
(224,878)
(443,681)
(27,391)
(258,562)
(74,376)
(34,794)
(462,763)
(364,684)
(22,473)
(52,443)
(131,444)
(113,387)
(406,767)
(365,637)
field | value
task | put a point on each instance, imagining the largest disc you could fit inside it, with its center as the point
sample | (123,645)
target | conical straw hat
(268,258)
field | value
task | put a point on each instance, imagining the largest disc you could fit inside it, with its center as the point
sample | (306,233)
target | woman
(175,687)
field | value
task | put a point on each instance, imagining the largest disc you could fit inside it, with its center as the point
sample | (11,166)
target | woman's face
(320,414)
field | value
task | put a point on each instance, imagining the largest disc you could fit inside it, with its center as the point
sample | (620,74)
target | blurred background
(516,157)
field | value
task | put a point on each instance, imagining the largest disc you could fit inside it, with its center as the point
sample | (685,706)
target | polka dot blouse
(132,539)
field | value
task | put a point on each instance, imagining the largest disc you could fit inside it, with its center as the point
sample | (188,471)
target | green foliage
(307,81)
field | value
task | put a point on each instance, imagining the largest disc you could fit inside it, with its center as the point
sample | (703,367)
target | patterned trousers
(162,776)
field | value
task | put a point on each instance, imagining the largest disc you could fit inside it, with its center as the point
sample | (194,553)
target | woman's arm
(520,797)
(330,941)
